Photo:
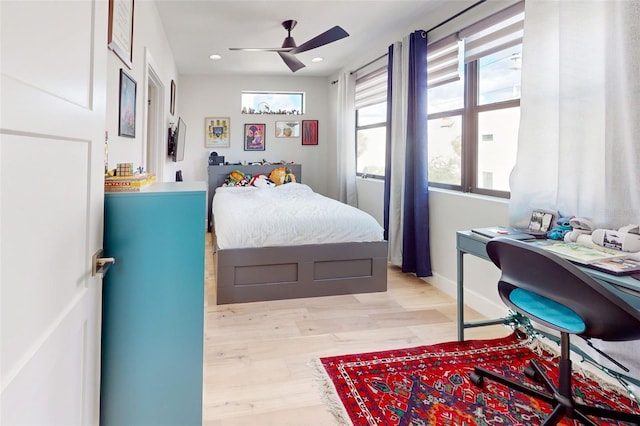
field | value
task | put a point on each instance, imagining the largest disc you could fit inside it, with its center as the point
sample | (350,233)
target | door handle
(100,265)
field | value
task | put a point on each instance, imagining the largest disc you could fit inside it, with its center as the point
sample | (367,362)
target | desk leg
(460,290)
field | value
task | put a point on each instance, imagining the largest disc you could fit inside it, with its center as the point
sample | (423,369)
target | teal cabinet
(153,303)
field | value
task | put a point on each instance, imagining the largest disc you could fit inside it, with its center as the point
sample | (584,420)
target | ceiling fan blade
(262,49)
(292,62)
(334,34)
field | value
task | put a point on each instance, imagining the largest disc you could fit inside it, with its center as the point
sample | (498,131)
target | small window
(285,103)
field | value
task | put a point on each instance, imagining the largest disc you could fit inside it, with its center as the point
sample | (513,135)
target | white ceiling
(197,28)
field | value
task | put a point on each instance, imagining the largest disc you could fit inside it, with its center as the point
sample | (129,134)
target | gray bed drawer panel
(266,274)
(342,269)
(250,275)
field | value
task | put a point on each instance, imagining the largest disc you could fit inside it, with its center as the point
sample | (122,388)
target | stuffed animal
(282,175)
(261,181)
(236,178)
(561,229)
(277,175)
(289,176)
(581,226)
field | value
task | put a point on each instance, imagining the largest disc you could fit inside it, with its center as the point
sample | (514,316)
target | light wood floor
(256,368)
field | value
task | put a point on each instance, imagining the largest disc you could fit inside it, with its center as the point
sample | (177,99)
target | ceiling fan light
(318,59)
(215,57)
(288,43)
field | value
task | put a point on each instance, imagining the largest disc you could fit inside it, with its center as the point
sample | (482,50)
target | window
(473,80)
(371,120)
(272,103)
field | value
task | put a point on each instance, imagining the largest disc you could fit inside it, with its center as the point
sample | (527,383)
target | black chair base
(563,402)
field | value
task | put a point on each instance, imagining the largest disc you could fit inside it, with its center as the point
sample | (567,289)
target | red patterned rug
(429,385)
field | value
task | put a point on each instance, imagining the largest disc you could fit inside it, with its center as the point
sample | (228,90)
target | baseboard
(478,302)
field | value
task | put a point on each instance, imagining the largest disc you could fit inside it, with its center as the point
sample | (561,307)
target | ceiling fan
(289,48)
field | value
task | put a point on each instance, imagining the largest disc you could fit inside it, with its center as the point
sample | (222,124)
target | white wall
(149,40)
(451,211)
(219,96)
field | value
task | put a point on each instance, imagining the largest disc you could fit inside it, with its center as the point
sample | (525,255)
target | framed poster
(120,38)
(287,129)
(127,110)
(309,132)
(216,132)
(254,137)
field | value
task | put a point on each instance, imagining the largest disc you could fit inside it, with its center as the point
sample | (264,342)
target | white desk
(626,287)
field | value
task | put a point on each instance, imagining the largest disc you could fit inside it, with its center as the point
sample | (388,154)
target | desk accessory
(616,240)
(501,231)
(617,266)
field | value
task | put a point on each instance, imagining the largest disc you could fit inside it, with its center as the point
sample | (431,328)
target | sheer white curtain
(579,142)
(579,146)
(346,140)
(398,147)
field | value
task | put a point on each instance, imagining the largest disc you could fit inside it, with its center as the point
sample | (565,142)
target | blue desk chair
(554,292)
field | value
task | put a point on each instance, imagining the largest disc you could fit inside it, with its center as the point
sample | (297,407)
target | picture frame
(254,137)
(127,106)
(217,131)
(120,30)
(172,105)
(287,129)
(309,132)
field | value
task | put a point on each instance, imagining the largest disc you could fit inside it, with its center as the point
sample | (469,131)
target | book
(128,183)
(617,266)
(578,253)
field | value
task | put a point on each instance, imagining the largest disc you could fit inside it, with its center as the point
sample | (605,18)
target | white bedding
(287,215)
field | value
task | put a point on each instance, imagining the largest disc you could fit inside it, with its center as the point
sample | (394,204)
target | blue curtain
(415,234)
(416,254)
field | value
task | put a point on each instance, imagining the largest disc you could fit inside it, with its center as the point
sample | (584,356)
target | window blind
(371,88)
(494,33)
(443,61)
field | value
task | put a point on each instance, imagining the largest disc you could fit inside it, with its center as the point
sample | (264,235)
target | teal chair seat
(553,312)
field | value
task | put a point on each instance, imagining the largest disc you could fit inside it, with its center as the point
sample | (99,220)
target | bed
(279,258)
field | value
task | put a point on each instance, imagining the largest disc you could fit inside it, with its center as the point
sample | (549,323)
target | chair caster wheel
(532,374)
(476,379)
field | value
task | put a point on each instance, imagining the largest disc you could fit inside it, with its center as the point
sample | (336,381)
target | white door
(52,123)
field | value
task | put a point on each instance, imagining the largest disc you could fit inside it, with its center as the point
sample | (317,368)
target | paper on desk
(580,253)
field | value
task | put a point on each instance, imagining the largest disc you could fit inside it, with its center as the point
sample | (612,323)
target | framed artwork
(172,106)
(309,132)
(127,111)
(120,34)
(287,129)
(216,132)
(254,137)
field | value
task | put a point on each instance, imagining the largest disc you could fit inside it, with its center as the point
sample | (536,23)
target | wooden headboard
(218,174)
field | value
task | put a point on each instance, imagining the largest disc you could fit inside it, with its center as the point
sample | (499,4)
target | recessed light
(215,57)
(318,59)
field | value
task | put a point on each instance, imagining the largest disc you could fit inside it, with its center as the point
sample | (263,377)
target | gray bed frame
(274,273)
